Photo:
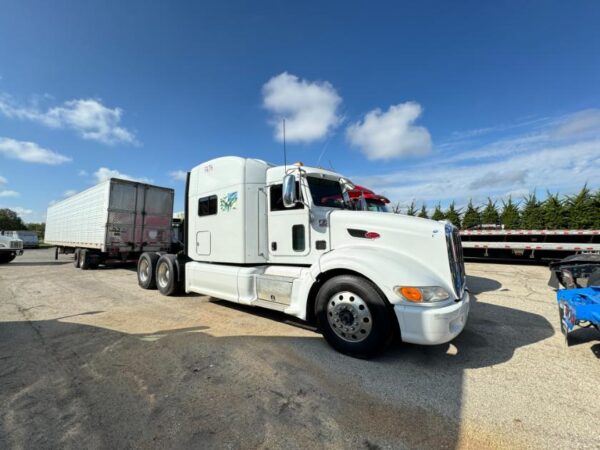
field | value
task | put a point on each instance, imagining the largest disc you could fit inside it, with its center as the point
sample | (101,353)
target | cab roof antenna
(284,149)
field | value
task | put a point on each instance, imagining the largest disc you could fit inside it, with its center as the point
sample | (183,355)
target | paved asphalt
(89,360)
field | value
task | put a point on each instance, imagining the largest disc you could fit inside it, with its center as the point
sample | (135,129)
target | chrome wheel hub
(163,275)
(144,270)
(349,316)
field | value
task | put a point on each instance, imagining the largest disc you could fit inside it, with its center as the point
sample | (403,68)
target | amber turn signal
(412,294)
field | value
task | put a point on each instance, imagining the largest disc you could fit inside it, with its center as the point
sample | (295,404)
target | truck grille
(16,244)
(456,259)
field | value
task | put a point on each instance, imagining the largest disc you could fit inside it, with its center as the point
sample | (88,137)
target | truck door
(289,230)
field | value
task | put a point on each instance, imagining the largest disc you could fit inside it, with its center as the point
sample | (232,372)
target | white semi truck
(280,238)
(10,247)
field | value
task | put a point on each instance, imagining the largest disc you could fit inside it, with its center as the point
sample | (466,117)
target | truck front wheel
(146,270)
(353,316)
(7,257)
(166,275)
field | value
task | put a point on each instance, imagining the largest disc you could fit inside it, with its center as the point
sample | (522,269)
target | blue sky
(431,101)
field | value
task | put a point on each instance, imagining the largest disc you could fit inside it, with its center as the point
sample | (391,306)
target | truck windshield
(326,192)
(377,206)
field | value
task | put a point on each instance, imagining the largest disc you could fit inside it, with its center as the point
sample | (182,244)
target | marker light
(372,235)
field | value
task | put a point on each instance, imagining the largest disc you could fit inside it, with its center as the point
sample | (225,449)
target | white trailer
(283,238)
(116,219)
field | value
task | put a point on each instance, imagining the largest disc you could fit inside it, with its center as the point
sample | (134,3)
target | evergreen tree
(412,209)
(553,212)
(453,215)
(396,208)
(596,210)
(510,215)
(490,215)
(532,217)
(423,212)
(472,217)
(437,213)
(579,210)
(9,220)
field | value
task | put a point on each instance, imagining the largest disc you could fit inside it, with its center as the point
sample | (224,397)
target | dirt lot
(89,360)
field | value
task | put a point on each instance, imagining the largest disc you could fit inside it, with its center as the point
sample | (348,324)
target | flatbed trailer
(529,244)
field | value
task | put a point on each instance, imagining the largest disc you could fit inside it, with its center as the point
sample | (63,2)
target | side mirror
(347,185)
(289,192)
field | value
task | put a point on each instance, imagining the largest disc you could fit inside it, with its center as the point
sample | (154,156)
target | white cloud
(3,180)
(82,173)
(104,173)
(582,122)
(88,117)
(564,168)
(6,193)
(21,211)
(30,152)
(69,193)
(178,175)
(309,108)
(391,134)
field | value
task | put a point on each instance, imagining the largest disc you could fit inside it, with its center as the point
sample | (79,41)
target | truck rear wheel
(353,316)
(146,270)
(84,259)
(166,275)
(76,258)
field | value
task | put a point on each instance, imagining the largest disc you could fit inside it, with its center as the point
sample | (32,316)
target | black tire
(76,258)
(352,306)
(166,275)
(594,279)
(146,270)
(94,260)
(5,258)
(84,259)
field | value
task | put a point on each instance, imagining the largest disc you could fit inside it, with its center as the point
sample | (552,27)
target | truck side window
(207,206)
(277,198)
(298,240)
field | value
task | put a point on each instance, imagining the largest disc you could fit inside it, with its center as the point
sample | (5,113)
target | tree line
(577,212)
(10,220)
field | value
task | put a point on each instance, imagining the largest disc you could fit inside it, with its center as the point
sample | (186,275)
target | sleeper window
(207,206)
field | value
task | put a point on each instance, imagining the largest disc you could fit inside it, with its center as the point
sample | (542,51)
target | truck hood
(12,243)
(416,241)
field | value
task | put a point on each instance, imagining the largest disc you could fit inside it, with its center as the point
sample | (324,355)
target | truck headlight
(423,294)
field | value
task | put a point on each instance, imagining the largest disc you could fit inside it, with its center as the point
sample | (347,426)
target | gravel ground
(89,360)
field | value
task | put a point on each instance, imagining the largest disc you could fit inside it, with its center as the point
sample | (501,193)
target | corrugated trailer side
(116,219)
(80,220)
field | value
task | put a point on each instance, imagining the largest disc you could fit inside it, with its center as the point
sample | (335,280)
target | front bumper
(432,325)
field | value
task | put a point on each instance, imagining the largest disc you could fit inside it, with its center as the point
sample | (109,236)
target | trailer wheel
(146,270)
(166,275)
(76,258)
(84,259)
(353,316)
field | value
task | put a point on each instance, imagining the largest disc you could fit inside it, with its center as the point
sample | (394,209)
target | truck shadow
(39,263)
(477,285)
